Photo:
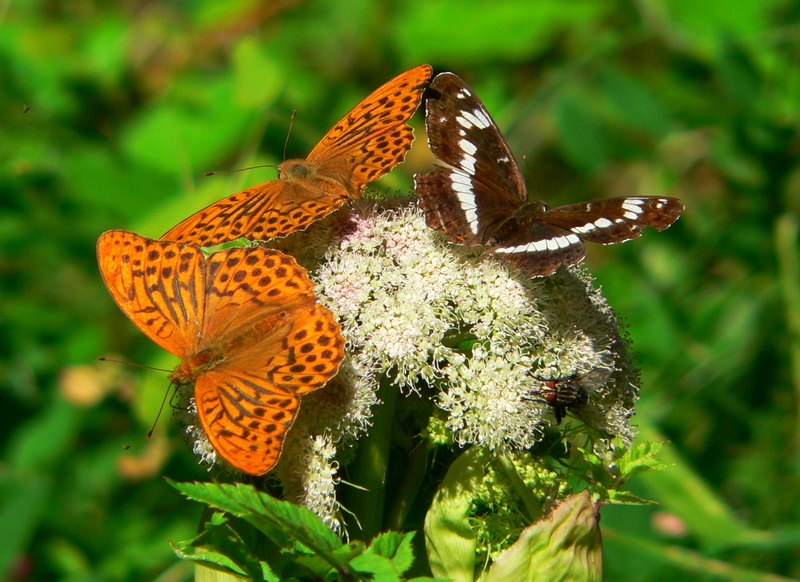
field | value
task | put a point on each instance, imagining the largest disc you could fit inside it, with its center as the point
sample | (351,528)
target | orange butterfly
(366,143)
(247,326)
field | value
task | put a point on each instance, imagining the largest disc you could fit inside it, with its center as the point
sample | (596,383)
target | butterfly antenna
(239,170)
(160,409)
(104,359)
(289,133)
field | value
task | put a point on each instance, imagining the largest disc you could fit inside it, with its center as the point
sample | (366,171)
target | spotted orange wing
(247,326)
(363,146)
(159,285)
(280,344)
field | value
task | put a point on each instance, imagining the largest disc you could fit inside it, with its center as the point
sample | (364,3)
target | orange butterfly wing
(363,146)
(247,325)
(159,285)
(279,344)
(374,136)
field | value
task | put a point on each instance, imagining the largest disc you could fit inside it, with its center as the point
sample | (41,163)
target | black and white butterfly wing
(480,198)
(538,247)
(615,220)
(538,240)
(483,186)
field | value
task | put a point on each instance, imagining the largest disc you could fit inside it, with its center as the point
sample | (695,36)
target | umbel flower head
(459,329)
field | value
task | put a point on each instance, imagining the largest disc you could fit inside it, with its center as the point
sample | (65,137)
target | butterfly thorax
(190,368)
(296,169)
(518,222)
(331,180)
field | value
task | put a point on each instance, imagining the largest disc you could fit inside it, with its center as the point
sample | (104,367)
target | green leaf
(615,468)
(449,539)
(396,546)
(221,547)
(564,546)
(289,526)
(375,568)
(641,457)
(339,559)
(626,498)
(204,573)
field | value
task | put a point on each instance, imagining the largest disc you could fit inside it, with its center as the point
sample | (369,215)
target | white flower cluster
(452,321)
(420,310)
(201,446)
(315,485)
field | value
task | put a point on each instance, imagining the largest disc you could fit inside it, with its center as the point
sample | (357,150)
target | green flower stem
(407,489)
(534,507)
(368,469)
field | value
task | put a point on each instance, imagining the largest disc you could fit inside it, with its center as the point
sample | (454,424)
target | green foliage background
(130,102)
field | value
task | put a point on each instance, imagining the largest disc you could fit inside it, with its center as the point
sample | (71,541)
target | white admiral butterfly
(481,199)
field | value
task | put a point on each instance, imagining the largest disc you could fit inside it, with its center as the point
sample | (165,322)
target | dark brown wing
(615,220)
(483,186)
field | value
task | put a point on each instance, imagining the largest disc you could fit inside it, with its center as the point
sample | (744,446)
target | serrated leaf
(376,568)
(221,546)
(396,546)
(640,458)
(289,526)
(565,546)
(340,558)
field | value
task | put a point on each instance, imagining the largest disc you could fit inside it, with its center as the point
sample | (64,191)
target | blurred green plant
(128,103)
